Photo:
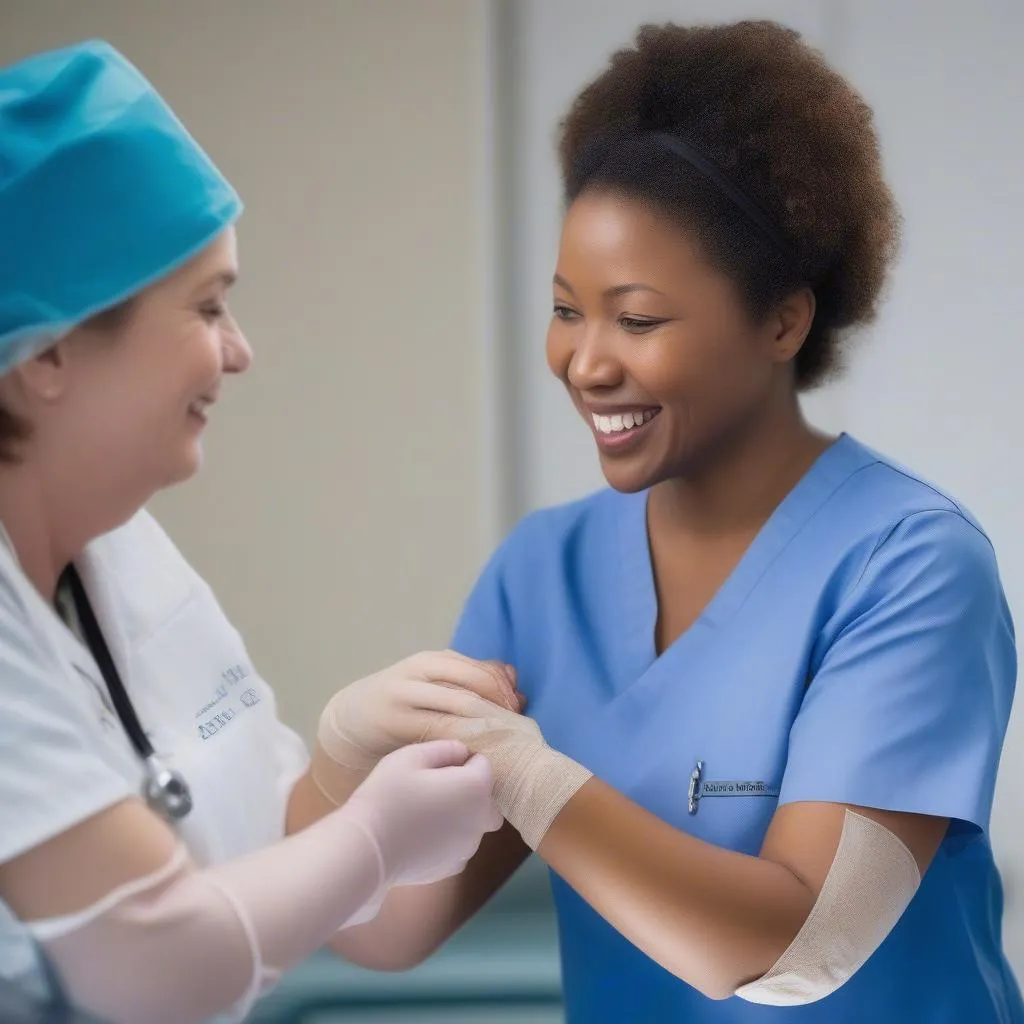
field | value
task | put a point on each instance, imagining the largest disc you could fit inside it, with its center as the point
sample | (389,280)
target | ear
(792,323)
(44,377)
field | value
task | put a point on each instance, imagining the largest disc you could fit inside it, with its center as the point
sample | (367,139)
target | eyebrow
(613,292)
(225,278)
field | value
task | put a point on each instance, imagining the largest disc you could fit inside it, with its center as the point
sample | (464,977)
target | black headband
(755,212)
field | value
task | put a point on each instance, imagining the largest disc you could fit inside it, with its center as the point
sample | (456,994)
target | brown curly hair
(783,127)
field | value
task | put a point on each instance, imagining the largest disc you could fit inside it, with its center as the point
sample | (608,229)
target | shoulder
(528,576)
(551,531)
(44,705)
(884,490)
(934,554)
(882,513)
(902,515)
(912,562)
(57,763)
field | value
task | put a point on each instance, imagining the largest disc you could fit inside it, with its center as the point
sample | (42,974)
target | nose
(236,351)
(592,362)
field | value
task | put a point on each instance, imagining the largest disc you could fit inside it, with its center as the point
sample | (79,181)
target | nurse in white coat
(146,783)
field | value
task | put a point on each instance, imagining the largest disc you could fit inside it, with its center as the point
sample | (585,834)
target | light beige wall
(340,516)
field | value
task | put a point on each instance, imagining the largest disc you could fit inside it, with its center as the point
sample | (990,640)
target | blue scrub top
(861,652)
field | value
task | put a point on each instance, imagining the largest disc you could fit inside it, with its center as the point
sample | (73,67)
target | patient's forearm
(713,917)
(417,920)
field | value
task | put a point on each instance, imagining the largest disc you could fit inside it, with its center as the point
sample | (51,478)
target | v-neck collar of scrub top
(639,610)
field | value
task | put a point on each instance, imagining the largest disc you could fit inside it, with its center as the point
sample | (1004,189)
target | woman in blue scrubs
(757,626)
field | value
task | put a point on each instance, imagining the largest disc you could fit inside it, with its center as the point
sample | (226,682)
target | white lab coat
(64,755)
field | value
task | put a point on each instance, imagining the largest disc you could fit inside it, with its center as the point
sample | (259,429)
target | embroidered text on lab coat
(209,722)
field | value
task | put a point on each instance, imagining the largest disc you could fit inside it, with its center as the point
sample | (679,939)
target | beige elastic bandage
(532,782)
(870,884)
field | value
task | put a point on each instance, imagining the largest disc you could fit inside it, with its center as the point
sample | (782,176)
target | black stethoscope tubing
(166,791)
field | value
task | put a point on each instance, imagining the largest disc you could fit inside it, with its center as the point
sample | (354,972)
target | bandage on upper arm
(871,882)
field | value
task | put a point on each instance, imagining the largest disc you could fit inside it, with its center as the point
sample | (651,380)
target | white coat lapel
(67,646)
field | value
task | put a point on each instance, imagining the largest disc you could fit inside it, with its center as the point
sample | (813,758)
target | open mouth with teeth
(621,422)
(620,428)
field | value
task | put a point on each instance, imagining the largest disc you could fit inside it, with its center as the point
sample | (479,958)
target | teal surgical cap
(102,192)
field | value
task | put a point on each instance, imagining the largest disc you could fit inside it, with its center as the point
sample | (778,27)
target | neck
(49,523)
(746,479)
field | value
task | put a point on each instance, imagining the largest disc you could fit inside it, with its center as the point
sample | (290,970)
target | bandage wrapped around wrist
(532,782)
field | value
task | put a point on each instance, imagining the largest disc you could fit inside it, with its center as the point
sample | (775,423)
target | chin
(186,466)
(625,478)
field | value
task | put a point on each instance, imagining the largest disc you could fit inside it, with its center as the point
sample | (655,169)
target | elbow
(717,984)
(718,991)
(715,988)
(730,977)
(734,965)
(713,977)
(716,981)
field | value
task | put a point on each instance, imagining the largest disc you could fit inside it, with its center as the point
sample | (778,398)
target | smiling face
(122,401)
(149,387)
(656,348)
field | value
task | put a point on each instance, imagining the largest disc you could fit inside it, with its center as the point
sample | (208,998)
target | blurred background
(396,158)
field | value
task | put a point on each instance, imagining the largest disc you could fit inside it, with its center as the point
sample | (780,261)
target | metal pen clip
(693,793)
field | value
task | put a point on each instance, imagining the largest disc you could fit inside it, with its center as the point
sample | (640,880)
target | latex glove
(232,929)
(399,705)
(427,807)
(532,781)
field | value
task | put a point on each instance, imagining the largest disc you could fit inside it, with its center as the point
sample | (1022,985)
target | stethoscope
(165,790)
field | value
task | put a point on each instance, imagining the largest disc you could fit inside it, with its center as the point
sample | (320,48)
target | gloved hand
(532,782)
(399,705)
(426,807)
(233,928)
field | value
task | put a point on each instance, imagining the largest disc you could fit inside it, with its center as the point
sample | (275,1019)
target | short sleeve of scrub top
(908,704)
